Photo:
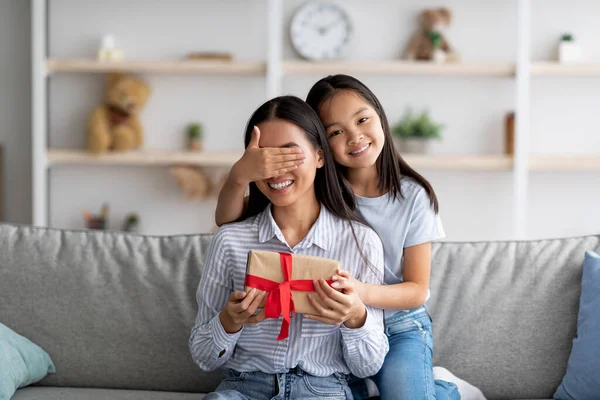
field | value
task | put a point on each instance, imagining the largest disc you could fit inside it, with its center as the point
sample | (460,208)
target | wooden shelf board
(475,162)
(564,163)
(144,158)
(397,68)
(172,157)
(157,66)
(557,69)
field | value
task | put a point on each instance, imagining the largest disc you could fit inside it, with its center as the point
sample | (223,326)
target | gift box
(288,279)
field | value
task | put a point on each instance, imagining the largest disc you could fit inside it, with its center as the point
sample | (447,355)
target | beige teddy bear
(114,125)
(196,183)
(429,43)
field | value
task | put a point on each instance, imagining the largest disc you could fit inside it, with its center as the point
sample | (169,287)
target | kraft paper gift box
(268,266)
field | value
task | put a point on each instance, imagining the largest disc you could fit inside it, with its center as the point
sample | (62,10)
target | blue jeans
(296,384)
(407,371)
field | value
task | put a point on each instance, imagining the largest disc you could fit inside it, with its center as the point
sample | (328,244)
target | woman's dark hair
(391,167)
(331,190)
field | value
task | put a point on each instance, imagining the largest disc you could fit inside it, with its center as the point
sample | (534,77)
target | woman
(302,212)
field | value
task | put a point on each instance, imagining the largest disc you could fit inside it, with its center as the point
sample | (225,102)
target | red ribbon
(280,301)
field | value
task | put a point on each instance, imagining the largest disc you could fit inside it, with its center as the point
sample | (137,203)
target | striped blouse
(318,348)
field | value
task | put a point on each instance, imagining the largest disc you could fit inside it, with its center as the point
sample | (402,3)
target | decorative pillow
(582,379)
(22,362)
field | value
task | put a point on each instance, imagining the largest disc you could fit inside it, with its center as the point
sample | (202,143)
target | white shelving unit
(275,69)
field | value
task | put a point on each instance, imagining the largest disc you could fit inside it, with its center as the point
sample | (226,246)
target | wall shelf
(157,66)
(564,163)
(397,68)
(472,162)
(558,69)
(157,158)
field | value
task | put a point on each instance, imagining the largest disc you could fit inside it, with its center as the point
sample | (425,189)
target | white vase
(569,52)
(418,146)
(438,56)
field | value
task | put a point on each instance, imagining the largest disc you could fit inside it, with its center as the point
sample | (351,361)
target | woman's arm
(365,343)
(211,345)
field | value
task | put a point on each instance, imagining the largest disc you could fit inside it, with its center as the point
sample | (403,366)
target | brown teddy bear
(193,181)
(196,183)
(429,44)
(114,125)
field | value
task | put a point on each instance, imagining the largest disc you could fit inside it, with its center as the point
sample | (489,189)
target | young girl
(402,208)
(295,213)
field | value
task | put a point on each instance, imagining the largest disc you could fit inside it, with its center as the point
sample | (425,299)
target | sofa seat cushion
(63,393)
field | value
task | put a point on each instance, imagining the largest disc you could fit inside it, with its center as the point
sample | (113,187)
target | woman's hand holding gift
(340,304)
(240,310)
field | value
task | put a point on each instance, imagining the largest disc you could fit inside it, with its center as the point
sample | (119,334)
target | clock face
(320,31)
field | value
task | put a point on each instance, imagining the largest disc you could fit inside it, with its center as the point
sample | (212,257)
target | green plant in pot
(414,132)
(194,135)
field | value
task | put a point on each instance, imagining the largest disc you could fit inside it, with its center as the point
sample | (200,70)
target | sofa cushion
(582,380)
(112,310)
(50,393)
(22,362)
(505,313)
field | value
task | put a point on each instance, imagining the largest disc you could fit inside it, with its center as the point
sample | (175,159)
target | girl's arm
(412,292)
(231,203)
(407,295)
(256,164)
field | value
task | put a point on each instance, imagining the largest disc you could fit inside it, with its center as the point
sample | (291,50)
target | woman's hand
(335,307)
(345,282)
(264,163)
(240,309)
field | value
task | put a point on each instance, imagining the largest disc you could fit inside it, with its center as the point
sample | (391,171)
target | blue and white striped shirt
(318,348)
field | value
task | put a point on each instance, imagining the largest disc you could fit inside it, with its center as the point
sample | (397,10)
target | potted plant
(194,134)
(131,223)
(568,50)
(413,133)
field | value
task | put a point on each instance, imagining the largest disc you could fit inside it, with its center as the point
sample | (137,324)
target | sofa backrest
(505,313)
(115,310)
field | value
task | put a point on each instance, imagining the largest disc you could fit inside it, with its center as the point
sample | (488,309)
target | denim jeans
(407,371)
(296,384)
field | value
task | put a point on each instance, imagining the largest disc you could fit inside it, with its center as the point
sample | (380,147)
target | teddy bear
(196,183)
(114,125)
(429,43)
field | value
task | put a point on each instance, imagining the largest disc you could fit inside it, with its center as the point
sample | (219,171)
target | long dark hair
(391,167)
(331,190)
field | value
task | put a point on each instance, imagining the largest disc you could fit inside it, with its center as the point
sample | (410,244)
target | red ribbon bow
(280,301)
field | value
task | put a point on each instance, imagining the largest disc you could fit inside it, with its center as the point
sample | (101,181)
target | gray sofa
(115,310)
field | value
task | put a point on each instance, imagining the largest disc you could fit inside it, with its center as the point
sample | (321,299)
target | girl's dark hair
(391,167)
(331,190)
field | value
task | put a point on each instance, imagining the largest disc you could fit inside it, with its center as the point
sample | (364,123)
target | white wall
(475,205)
(15,109)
